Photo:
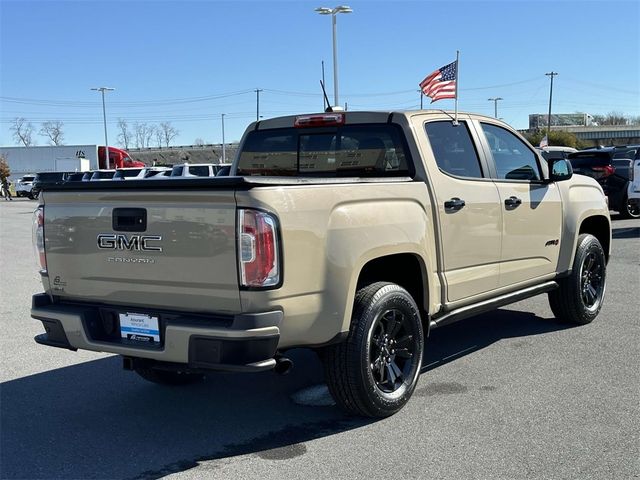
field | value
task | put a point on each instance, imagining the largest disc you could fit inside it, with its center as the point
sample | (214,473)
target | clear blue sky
(189,62)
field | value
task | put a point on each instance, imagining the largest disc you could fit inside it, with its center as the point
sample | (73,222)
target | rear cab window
(363,150)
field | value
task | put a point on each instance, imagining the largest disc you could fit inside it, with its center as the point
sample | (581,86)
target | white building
(63,158)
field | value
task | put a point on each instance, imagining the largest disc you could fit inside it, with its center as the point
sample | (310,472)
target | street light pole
(495,105)
(224,157)
(333,12)
(104,119)
(550,74)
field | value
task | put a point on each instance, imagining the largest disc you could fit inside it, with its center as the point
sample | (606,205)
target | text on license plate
(139,327)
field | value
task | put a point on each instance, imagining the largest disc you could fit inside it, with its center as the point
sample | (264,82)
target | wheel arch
(600,227)
(407,269)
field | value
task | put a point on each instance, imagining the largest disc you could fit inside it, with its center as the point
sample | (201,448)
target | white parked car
(194,170)
(102,175)
(132,173)
(24,185)
(633,192)
(137,173)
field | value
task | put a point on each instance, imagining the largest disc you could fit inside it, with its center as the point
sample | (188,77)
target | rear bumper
(244,342)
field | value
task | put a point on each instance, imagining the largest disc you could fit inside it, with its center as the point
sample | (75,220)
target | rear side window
(177,171)
(453,149)
(200,171)
(375,150)
(514,160)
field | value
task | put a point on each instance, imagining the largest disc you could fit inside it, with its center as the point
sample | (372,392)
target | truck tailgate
(170,249)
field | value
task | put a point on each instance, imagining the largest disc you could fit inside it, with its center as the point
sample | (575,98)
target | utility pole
(224,156)
(495,105)
(550,74)
(257,90)
(104,119)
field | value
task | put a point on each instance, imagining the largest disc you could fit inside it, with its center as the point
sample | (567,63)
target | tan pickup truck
(352,233)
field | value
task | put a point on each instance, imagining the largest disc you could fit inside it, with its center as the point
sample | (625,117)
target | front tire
(375,371)
(581,294)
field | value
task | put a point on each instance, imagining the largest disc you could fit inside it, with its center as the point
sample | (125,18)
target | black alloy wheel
(391,351)
(592,280)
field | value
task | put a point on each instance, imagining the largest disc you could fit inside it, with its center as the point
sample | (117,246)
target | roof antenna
(326,99)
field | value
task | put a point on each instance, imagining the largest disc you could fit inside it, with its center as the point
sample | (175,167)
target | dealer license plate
(139,327)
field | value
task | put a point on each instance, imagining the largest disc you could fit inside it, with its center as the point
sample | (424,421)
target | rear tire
(168,377)
(581,294)
(375,371)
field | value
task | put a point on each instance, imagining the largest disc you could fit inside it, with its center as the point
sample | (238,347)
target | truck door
(468,210)
(531,209)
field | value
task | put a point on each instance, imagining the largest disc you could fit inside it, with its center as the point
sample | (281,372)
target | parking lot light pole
(495,105)
(333,12)
(550,74)
(104,119)
(224,156)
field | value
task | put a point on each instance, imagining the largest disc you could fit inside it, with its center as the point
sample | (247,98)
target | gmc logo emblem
(113,241)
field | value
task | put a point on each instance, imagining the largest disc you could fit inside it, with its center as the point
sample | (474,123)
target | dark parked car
(612,168)
(44,179)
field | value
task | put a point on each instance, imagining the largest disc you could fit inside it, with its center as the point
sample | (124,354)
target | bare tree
(168,132)
(124,137)
(199,142)
(611,118)
(158,134)
(23,131)
(143,134)
(151,130)
(53,130)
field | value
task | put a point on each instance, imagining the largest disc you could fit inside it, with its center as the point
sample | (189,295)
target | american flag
(441,83)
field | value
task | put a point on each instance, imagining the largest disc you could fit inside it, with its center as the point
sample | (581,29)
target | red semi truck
(118,158)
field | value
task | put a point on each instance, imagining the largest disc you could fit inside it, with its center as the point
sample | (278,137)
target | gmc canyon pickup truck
(351,233)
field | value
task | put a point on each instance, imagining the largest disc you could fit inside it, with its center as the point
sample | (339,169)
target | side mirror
(560,169)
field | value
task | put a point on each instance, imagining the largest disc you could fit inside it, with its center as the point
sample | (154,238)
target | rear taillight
(258,250)
(606,170)
(38,238)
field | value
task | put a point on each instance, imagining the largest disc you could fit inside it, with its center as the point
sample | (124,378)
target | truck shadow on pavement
(93,420)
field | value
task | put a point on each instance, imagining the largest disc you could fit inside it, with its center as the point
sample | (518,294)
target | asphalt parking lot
(507,395)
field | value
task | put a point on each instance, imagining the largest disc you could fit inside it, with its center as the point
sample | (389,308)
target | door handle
(454,204)
(512,202)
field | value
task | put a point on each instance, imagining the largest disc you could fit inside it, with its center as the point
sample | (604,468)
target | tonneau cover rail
(206,183)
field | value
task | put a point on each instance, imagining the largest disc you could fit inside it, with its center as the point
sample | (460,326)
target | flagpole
(455,121)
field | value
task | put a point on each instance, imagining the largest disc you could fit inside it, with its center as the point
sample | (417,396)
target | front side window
(514,160)
(453,149)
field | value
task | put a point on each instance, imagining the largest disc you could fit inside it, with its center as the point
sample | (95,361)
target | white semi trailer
(63,158)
